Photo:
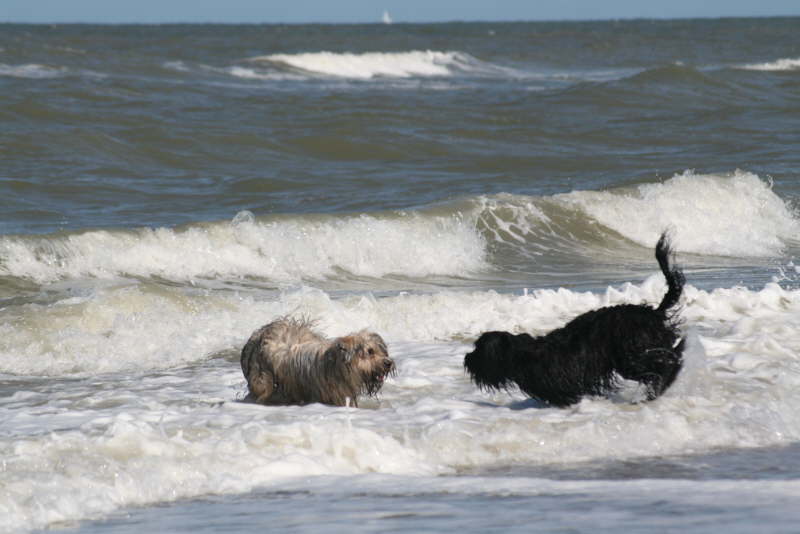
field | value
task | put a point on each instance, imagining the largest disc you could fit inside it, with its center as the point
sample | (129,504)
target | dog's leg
(665,366)
(262,386)
(656,370)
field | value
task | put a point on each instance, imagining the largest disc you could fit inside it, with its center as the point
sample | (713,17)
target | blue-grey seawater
(165,190)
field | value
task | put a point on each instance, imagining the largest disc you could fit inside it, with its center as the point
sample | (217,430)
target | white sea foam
(251,74)
(140,328)
(737,215)
(237,71)
(179,66)
(785,64)
(728,215)
(288,250)
(32,70)
(431,421)
(141,428)
(260,74)
(417,63)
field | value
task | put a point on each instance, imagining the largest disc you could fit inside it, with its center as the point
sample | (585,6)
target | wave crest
(415,63)
(785,64)
(282,251)
(735,215)
(32,70)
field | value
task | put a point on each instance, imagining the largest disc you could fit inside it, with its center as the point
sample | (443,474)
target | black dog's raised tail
(674,275)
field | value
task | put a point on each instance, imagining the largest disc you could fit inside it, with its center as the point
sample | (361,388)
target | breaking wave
(417,63)
(283,250)
(785,64)
(736,215)
(32,70)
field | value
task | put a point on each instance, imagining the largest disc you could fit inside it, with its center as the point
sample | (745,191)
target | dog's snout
(388,363)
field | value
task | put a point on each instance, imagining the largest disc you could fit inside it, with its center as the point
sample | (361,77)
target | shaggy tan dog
(286,362)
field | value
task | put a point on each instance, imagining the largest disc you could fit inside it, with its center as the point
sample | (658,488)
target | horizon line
(395,22)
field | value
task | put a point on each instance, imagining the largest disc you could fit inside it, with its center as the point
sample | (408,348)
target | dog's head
(489,365)
(366,354)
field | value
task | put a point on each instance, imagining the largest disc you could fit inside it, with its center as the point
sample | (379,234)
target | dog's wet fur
(287,362)
(593,352)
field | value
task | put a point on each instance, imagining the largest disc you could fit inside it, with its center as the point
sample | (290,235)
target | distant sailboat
(387,19)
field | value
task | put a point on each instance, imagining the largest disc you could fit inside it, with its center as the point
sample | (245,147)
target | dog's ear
(347,347)
(379,343)
(491,363)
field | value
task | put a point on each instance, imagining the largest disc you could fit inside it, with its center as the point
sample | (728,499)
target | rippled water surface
(168,189)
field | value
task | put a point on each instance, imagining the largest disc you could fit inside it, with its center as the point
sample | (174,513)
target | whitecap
(32,70)
(784,64)
(735,215)
(367,65)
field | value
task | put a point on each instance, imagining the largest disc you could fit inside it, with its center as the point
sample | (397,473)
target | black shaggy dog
(590,354)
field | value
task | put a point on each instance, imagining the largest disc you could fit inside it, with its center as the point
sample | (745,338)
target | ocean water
(165,190)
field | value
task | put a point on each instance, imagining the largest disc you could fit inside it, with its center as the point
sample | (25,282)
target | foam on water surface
(460,241)
(85,448)
(32,71)
(367,65)
(703,211)
(129,393)
(287,250)
(147,326)
(784,64)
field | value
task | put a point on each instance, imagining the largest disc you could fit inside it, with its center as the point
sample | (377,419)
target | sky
(344,11)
